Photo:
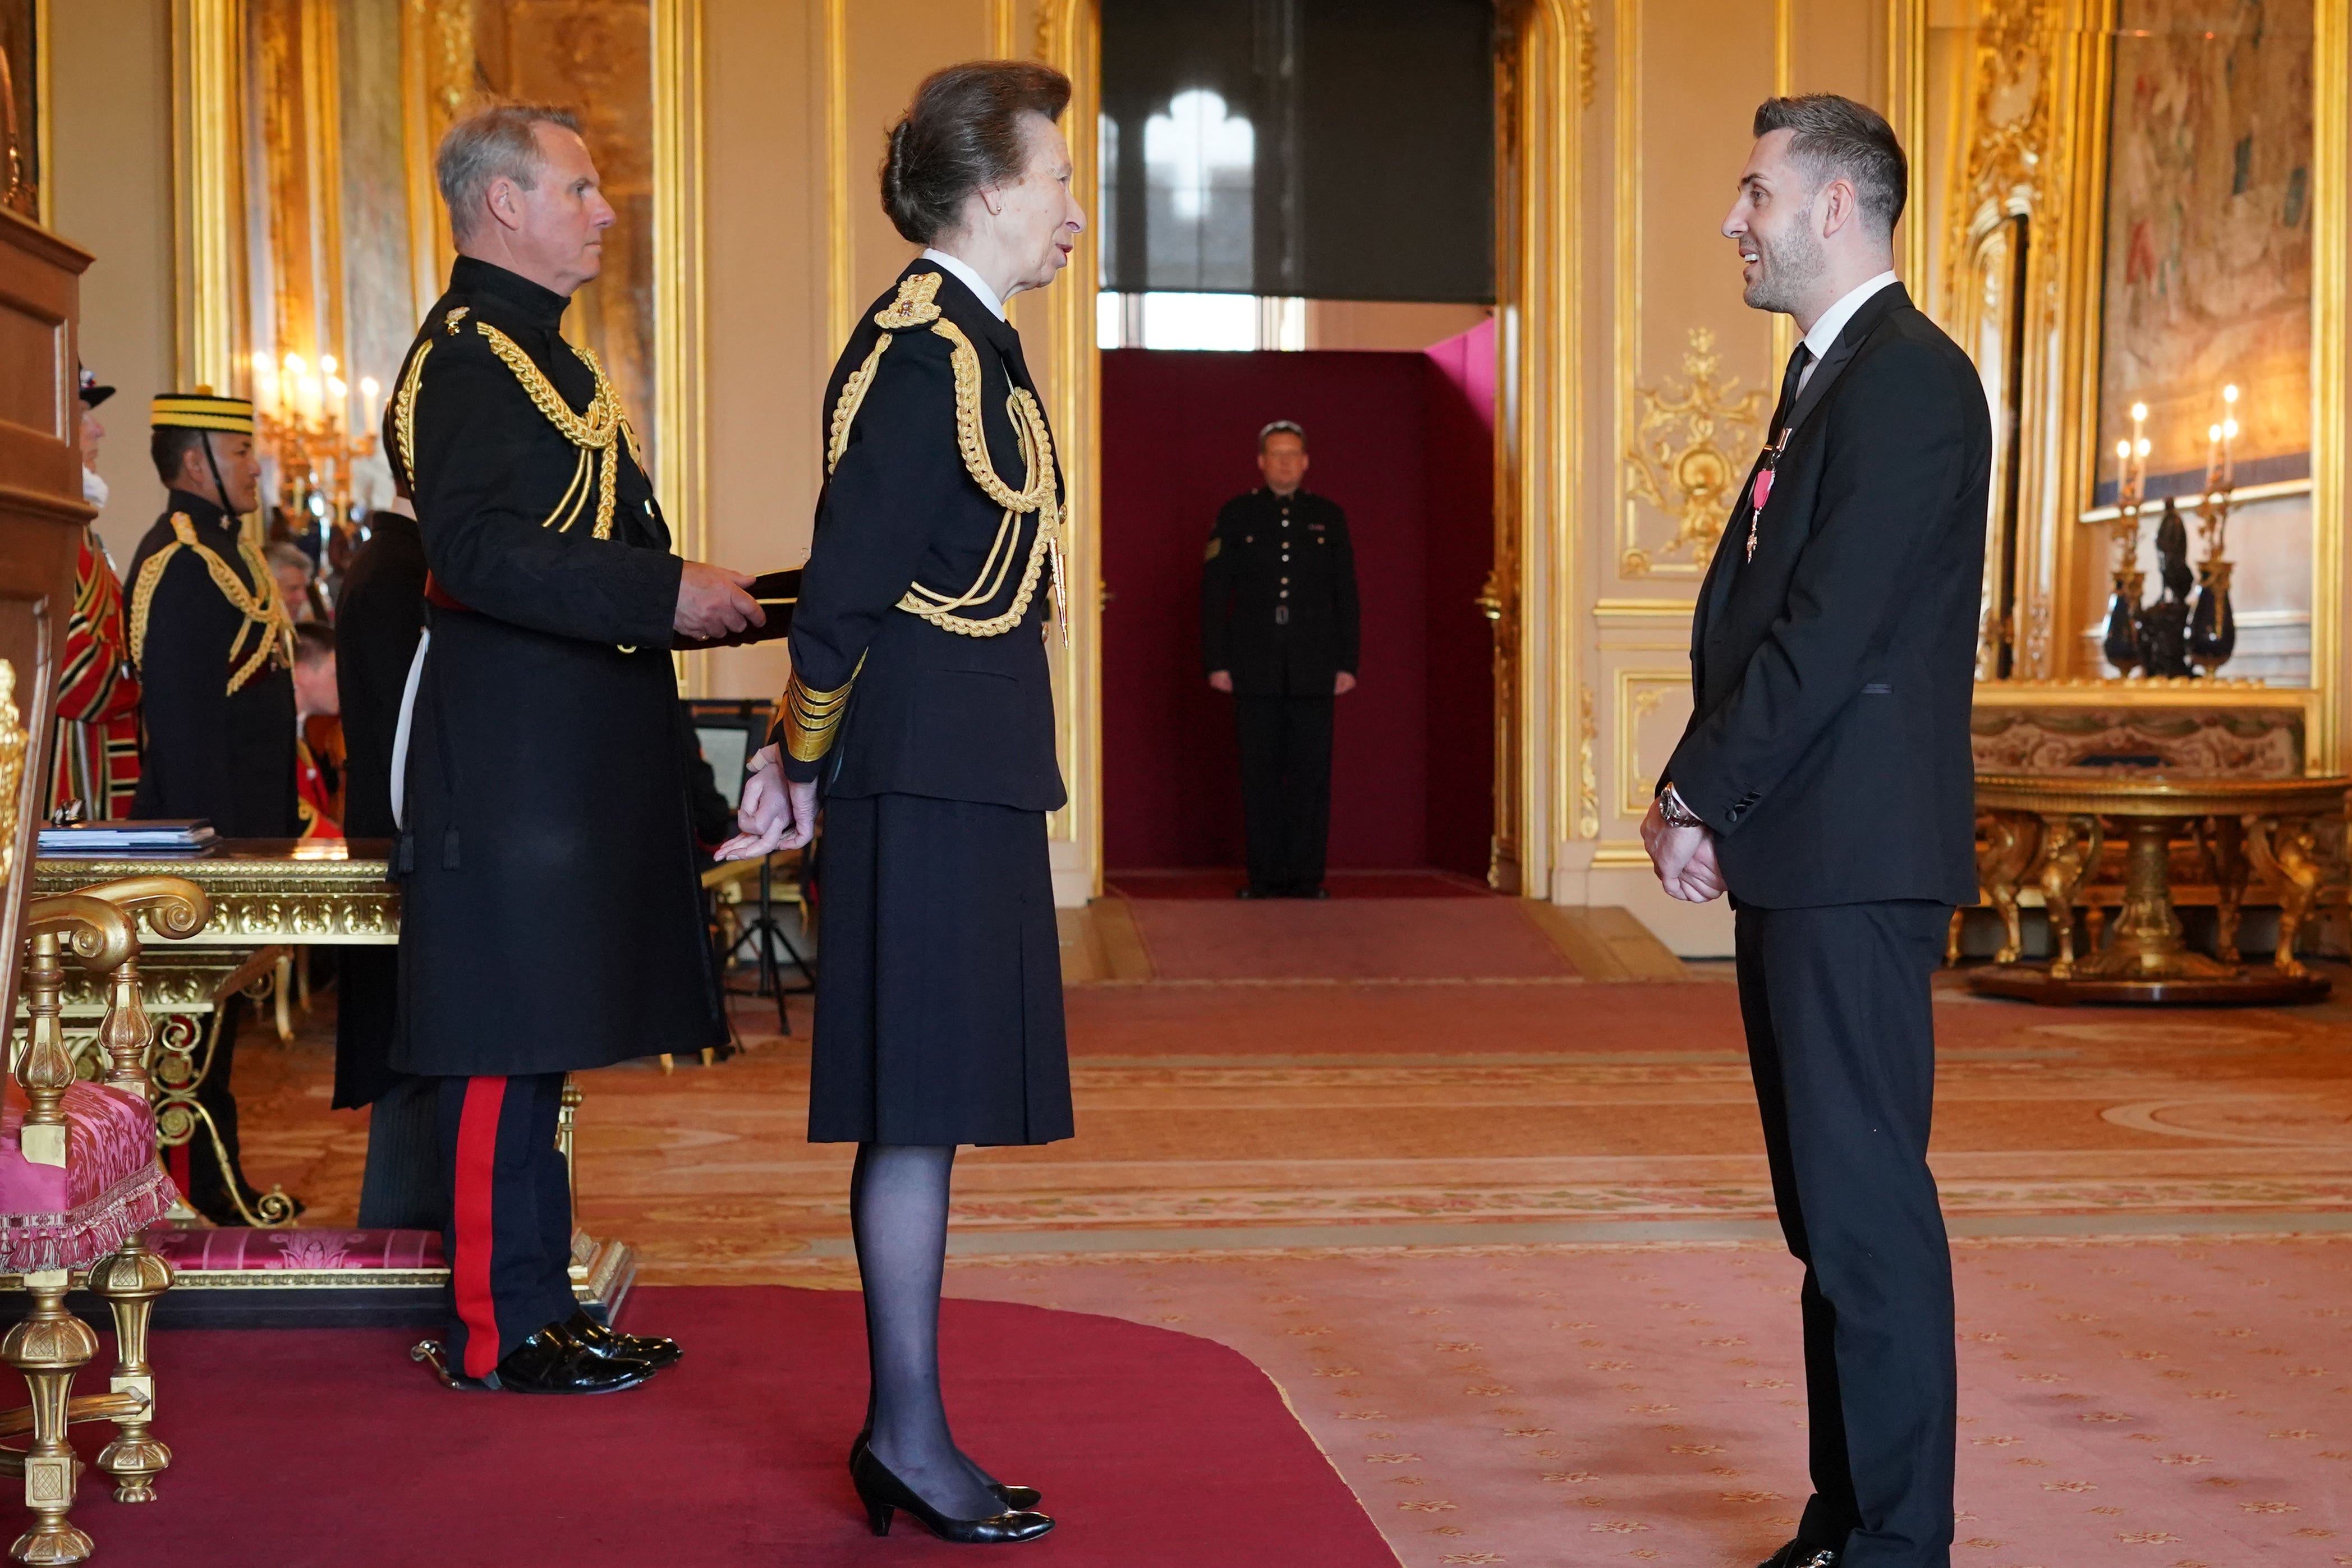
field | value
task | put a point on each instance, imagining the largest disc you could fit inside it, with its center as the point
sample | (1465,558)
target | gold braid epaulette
(916,306)
(810,717)
(262,609)
(599,430)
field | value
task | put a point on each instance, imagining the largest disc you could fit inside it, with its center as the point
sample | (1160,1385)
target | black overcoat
(552,915)
(1279,608)
(209,753)
(934,712)
(379,615)
(1833,673)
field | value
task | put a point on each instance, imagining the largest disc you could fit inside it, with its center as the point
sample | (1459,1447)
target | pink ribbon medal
(1763,489)
(1759,489)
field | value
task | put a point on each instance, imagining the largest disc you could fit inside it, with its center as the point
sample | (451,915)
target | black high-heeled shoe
(883,1493)
(1014,1498)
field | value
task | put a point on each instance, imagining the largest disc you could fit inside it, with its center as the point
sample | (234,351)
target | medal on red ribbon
(1759,489)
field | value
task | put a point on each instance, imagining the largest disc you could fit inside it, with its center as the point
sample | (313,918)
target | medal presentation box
(269,897)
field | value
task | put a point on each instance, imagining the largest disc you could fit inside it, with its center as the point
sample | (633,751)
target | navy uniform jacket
(1831,674)
(926,709)
(552,915)
(1278,595)
(210,752)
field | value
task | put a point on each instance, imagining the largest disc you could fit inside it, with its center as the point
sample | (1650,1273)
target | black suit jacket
(1278,595)
(933,711)
(379,615)
(1828,746)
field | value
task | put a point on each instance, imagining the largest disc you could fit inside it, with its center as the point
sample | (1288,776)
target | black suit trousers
(507,1234)
(1286,747)
(1842,1040)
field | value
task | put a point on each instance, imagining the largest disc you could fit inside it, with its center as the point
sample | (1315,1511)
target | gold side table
(2045,833)
(269,895)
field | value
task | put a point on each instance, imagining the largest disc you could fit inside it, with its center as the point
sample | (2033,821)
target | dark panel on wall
(1335,149)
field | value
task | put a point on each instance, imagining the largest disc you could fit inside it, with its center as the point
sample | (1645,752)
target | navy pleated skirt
(938,994)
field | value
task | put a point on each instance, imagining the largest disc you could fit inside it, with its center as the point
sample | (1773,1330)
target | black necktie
(1797,363)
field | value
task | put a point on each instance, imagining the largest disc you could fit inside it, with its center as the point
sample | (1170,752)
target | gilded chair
(79,1184)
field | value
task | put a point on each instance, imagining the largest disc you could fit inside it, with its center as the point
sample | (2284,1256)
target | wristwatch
(1677,815)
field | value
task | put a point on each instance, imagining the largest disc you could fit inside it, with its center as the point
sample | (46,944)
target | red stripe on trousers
(478,1154)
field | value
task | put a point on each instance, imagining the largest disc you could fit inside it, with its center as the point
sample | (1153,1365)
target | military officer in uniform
(921,698)
(1278,630)
(551,917)
(215,655)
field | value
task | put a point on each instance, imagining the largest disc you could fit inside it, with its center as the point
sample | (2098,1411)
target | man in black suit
(1279,631)
(1824,781)
(379,618)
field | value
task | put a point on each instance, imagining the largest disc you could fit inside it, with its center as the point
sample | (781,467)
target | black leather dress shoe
(1012,1496)
(551,1361)
(1799,1554)
(612,1343)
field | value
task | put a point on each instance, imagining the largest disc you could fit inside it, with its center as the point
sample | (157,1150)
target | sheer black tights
(899,1213)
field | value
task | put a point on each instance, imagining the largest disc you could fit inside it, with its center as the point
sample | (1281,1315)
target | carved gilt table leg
(2005,856)
(2225,856)
(2069,847)
(2285,851)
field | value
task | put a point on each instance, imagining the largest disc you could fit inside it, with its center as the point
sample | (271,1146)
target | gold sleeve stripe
(811,717)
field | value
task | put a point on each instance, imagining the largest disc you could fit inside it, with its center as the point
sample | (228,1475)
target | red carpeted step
(1345,939)
(1220,883)
(304,1448)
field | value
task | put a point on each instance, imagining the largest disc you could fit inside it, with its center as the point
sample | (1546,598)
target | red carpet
(315,1448)
(1345,939)
(1221,883)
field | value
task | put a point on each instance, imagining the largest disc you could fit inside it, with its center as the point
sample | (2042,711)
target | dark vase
(2212,624)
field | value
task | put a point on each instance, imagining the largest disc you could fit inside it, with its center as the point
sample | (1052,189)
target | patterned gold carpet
(1507,1247)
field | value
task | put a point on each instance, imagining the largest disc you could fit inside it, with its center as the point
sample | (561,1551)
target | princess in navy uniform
(920,702)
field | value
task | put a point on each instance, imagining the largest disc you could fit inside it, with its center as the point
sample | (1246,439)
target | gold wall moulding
(1678,461)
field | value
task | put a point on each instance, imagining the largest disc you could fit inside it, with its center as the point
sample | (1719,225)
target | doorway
(1404,443)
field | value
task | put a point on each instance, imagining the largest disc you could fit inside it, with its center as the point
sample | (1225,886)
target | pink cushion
(110,1187)
(242,1249)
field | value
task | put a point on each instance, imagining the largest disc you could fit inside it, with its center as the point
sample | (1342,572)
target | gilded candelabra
(2212,625)
(2165,638)
(2121,643)
(299,422)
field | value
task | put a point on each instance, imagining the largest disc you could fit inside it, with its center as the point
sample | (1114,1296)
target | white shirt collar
(972,280)
(1825,335)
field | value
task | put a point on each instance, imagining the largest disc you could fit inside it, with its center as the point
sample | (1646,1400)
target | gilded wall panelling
(680,330)
(2331,266)
(208,194)
(1069,38)
(1547,51)
(1653,705)
(1677,464)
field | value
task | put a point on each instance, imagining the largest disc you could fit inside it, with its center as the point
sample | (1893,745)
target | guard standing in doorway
(1278,630)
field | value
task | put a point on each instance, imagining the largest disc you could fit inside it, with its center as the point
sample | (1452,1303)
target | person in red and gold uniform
(97,767)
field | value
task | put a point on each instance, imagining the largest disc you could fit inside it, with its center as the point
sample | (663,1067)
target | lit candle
(327,366)
(2123,473)
(2212,459)
(368,391)
(2229,435)
(265,384)
(296,372)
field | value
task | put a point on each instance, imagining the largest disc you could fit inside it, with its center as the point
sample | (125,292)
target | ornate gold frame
(2052,165)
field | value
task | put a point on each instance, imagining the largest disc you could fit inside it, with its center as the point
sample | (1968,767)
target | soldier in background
(216,656)
(1278,630)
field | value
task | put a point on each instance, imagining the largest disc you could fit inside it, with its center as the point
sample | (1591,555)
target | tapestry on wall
(2208,255)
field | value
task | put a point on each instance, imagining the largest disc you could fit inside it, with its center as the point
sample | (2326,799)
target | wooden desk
(2047,832)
